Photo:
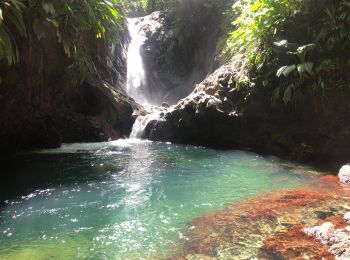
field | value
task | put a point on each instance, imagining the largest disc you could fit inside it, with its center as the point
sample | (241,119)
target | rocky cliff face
(218,113)
(43,105)
(179,52)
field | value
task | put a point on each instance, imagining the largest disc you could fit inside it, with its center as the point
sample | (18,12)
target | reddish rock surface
(270,226)
(295,244)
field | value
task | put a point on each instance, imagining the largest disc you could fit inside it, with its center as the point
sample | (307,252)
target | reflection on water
(124,199)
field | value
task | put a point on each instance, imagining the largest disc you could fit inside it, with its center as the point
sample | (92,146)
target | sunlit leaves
(305,68)
(285,70)
(300,48)
(255,22)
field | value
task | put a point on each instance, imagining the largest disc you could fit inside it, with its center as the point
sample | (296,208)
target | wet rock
(337,240)
(322,233)
(267,227)
(164,104)
(176,53)
(344,174)
(146,124)
(339,243)
(213,115)
(221,114)
(293,244)
(347,217)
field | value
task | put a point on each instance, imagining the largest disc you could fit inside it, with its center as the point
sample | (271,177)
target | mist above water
(136,73)
(164,65)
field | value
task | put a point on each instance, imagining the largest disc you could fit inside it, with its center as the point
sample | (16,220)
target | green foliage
(70,19)
(144,7)
(134,7)
(257,23)
(154,5)
(295,48)
(10,17)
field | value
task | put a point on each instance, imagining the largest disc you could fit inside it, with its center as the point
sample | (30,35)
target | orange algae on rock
(269,225)
(330,183)
(294,244)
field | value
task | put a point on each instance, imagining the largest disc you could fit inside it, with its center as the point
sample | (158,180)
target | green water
(124,199)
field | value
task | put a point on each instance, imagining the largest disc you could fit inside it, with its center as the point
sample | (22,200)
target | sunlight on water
(124,199)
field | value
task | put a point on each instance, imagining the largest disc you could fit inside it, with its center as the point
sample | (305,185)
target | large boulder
(210,115)
(222,113)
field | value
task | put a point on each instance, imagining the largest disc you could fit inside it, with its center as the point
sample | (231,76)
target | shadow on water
(23,174)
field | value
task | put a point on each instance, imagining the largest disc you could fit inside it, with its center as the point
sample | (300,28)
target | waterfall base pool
(126,199)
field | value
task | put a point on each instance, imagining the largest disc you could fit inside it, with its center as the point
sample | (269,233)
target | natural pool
(126,199)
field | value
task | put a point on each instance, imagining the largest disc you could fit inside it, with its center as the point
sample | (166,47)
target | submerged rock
(269,226)
(294,244)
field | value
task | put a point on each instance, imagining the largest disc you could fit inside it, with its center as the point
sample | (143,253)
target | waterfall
(135,67)
(136,80)
(141,123)
(144,125)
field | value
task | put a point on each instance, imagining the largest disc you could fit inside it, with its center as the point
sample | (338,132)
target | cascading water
(139,128)
(135,67)
(136,79)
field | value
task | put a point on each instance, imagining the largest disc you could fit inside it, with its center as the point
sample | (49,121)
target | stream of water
(126,199)
(135,67)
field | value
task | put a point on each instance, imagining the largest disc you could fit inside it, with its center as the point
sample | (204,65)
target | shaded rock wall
(41,105)
(179,50)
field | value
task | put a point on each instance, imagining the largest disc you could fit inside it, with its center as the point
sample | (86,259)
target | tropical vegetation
(294,48)
(69,19)
(143,7)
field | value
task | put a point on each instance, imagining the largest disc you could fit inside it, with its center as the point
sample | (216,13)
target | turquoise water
(125,199)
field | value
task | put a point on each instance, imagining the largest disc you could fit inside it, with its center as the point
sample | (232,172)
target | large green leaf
(305,68)
(288,94)
(285,70)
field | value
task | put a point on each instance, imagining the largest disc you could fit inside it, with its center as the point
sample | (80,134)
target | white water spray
(135,67)
(141,124)
(136,80)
